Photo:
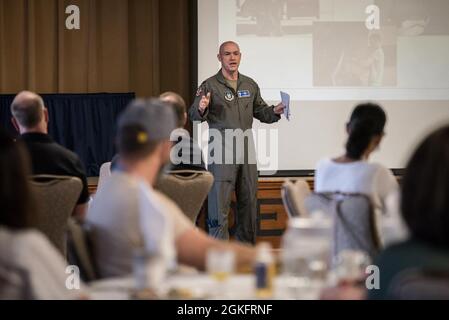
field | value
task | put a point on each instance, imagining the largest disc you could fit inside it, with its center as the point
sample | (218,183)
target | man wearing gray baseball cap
(144,128)
(128,213)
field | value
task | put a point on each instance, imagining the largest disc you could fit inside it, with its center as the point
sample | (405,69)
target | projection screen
(329,55)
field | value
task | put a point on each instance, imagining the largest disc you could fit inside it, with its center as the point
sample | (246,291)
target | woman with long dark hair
(352,172)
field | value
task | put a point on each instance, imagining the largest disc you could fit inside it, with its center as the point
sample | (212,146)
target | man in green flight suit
(229,101)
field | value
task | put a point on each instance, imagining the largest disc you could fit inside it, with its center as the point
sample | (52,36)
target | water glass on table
(220,265)
(351,267)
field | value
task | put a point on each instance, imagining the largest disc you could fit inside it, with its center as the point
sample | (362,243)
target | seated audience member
(30,267)
(425,209)
(127,213)
(30,117)
(352,172)
(181,160)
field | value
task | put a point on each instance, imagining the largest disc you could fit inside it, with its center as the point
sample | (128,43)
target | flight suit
(231,109)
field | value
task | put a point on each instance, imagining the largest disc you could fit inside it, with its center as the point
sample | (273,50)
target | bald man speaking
(229,101)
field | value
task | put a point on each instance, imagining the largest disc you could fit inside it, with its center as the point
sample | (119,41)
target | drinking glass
(351,266)
(220,265)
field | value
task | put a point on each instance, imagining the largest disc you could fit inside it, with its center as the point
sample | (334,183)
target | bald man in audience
(127,213)
(30,118)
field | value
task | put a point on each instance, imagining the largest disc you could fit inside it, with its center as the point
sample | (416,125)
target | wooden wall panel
(139,46)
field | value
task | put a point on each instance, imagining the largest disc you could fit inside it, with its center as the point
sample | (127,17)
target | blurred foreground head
(425,190)
(16,199)
(144,130)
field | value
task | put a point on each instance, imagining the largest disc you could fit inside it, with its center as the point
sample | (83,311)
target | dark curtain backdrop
(139,46)
(83,123)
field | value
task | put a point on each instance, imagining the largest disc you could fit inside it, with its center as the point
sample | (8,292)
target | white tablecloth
(202,286)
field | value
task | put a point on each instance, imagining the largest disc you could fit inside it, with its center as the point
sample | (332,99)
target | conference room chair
(105,173)
(80,249)
(293,195)
(187,188)
(56,197)
(354,226)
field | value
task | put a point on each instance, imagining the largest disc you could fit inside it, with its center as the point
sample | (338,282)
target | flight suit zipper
(236,100)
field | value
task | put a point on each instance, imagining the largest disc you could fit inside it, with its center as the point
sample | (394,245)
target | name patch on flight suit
(229,96)
(244,94)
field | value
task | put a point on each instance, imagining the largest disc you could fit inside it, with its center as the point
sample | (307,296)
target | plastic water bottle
(140,269)
(149,271)
(264,270)
(305,255)
(306,244)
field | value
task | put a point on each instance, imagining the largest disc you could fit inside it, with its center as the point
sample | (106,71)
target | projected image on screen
(328,56)
(275,17)
(324,49)
(369,59)
(416,17)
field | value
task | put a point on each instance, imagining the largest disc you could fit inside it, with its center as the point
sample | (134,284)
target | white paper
(285,97)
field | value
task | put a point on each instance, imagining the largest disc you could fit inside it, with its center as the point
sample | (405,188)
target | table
(202,286)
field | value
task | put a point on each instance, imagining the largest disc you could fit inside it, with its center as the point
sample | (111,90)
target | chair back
(105,173)
(80,249)
(293,195)
(56,198)
(420,284)
(353,217)
(187,188)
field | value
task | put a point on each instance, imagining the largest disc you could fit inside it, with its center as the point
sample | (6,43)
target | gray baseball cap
(154,118)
